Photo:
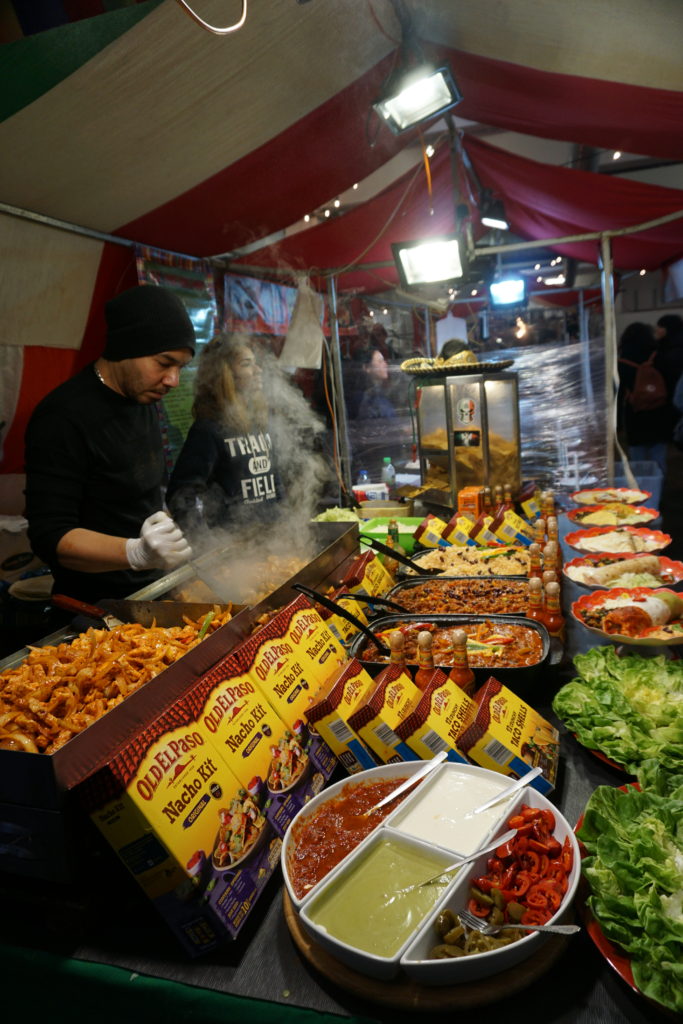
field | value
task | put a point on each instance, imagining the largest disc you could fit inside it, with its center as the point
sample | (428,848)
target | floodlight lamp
(437,259)
(508,291)
(416,95)
(493,214)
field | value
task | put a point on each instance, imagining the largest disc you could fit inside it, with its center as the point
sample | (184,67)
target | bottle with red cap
(425,660)
(461,673)
(554,619)
(535,608)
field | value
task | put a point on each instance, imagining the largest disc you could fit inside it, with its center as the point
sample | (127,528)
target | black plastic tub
(522,680)
(404,572)
(467,595)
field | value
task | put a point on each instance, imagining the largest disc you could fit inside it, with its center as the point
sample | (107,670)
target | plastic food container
(520,679)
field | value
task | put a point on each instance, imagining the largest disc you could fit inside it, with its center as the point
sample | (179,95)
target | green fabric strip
(44,986)
(30,67)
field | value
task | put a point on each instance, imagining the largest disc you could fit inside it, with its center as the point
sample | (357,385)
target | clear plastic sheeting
(563,421)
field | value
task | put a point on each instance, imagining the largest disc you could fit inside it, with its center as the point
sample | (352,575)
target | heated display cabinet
(468,433)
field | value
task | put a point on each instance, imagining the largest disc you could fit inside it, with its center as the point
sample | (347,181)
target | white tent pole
(340,422)
(607,282)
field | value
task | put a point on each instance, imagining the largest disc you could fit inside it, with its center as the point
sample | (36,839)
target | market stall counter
(97,945)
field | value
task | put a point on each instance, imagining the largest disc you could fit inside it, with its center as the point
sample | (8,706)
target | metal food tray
(41,780)
(417,581)
(521,680)
(404,573)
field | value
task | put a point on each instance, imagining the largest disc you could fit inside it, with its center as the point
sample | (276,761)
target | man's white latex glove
(161,544)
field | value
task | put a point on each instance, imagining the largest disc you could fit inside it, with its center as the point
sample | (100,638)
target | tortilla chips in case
(195,839)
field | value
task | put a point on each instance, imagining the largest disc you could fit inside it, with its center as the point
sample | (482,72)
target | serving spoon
(417,777)
(509,790)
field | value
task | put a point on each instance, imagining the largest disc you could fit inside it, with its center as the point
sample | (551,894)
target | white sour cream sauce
(442,814)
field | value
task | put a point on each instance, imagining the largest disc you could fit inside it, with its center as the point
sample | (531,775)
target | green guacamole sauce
(364,908)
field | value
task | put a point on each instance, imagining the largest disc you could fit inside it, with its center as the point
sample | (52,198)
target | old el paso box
(508,736)
(331,712)
(341,627)
(368,576)
(197,842)
(436,722)
(279,766)
(392,697)
(311,637)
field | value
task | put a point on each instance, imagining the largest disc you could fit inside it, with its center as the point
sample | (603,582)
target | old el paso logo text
(305,623)
(164,760)
(271,657)
(225,702)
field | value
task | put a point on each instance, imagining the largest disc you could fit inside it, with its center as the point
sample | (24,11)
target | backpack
(649,387)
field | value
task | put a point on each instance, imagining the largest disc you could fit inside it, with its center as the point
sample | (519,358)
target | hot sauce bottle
(535,600)
(488,501)
(552,558)
(497,497)
(425,659)
(397,646)
(549,576)
(390,564)
(548,503)
(461,673)
(507,496)
(535,564)
(539,532)
(554,619)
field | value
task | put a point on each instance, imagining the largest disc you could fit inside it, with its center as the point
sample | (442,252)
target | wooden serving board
(404,994)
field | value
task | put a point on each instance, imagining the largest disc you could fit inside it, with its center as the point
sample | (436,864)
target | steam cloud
(250,558)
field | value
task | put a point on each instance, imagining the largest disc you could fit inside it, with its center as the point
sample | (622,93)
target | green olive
(498,898)
(456,933)
(515,910)
(445,922)
(445,952)
(480,896)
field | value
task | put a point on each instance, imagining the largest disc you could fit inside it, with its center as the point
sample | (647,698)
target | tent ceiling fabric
(199,144)
(541,202)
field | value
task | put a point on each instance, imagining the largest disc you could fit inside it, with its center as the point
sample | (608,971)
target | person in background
(647,431)
(224,473)
(372,376)
(669,339)
(94,458)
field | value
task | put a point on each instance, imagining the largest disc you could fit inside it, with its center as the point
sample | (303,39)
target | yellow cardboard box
(436,722)
(507,735)
(330,716)
(391,699)
(197,842)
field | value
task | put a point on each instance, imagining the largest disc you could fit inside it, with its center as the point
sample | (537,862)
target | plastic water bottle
(363,477)
(389,476)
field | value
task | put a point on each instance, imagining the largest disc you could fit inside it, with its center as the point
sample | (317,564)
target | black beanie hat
(144,321)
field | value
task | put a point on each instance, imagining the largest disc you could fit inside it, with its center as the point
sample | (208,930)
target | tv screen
(511,291)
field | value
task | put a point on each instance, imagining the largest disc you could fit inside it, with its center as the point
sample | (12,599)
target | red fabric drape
(608,115)
(325,152)
(543,201)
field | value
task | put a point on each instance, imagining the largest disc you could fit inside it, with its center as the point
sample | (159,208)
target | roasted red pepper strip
(478,909)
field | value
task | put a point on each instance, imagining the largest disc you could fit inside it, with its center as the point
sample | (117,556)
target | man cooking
(94,458)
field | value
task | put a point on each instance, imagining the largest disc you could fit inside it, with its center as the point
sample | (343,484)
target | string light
(355,186)
(642,273)
(327,213)
(307,218)
(429,151)
(337,203)
(616,154)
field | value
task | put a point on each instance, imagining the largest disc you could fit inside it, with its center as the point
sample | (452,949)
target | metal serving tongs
(338,610)
(384,549)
